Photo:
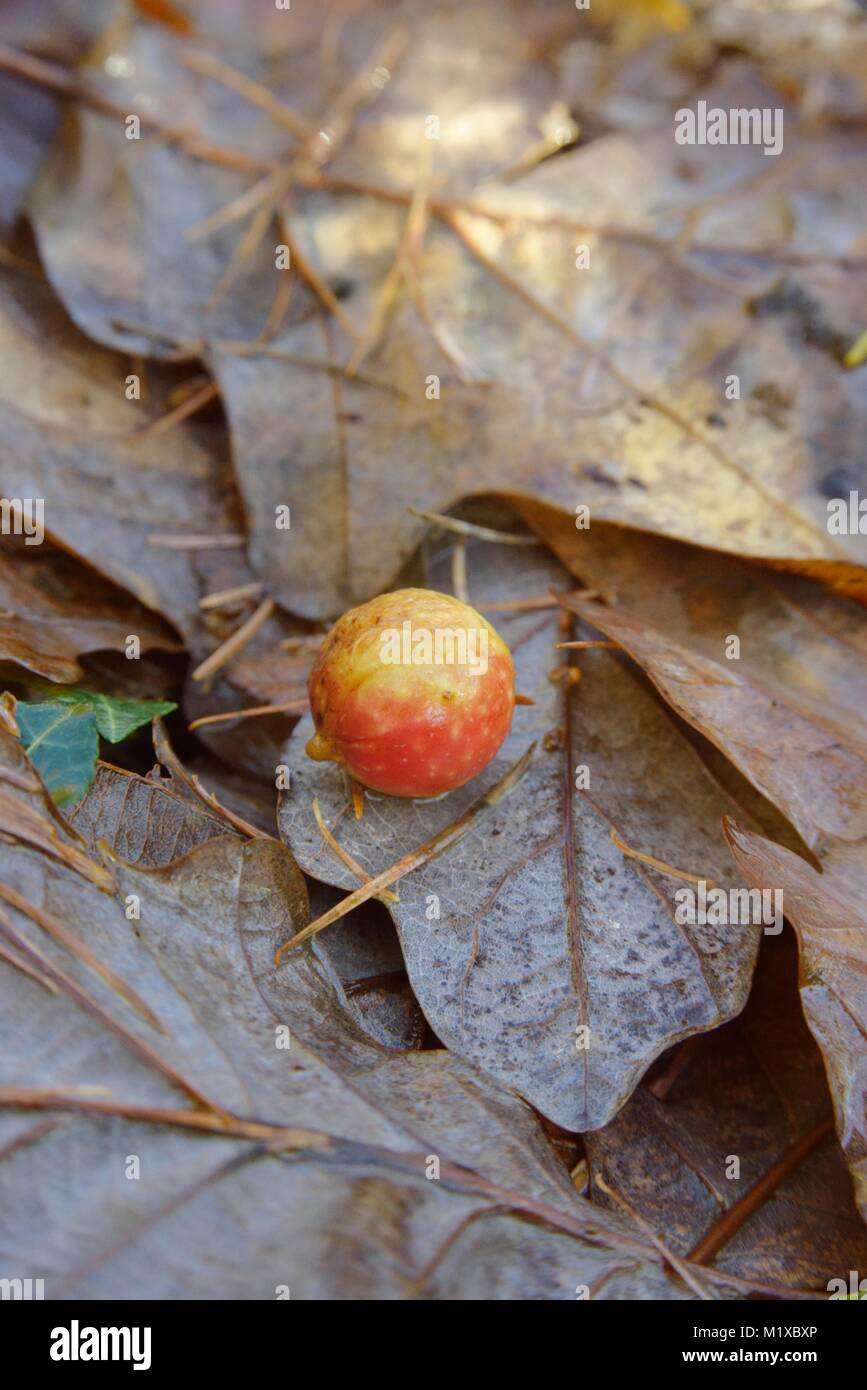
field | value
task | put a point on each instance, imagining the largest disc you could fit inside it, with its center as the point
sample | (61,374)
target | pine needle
(251,91)
(581,646)
(225,598)
(659,864)
(386,896)
(254,712)
(195,402)
(481,533)
(236,643)
(165,541)
(459,570)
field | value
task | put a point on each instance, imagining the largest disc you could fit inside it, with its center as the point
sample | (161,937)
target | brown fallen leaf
(827,912)
(655,443)
(811,767)
(28,816)
(201,958)
(795,640)
(788,713)
(151,821)
(53,611)
(70,942)
(65,418)
(85,215)
(145,821)
(736,1164)
(65,423)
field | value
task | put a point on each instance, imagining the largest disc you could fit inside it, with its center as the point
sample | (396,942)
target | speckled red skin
(406,729)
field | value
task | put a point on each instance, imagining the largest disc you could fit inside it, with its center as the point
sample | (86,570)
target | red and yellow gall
(412,693)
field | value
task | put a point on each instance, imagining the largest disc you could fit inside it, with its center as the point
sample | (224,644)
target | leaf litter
(523,990)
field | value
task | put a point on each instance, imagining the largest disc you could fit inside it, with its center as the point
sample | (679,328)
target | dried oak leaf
(653,443)
(787,710)
(813,769)
(66,424)
(535,925)
(112,214)
(149,821)
(621,409)
(827,911)
(751,1094)
(788,713)
(28,112)
(302,1166)
(52,611)
(66,427)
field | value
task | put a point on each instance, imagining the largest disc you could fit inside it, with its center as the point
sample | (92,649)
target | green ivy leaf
(62,741)
(116,718)
(61,734)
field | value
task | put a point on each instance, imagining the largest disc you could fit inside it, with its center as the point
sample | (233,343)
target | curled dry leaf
(827,912)
(52,611)
(65,427)
(785,704)
(789,714)
(535,926)
(810,763)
